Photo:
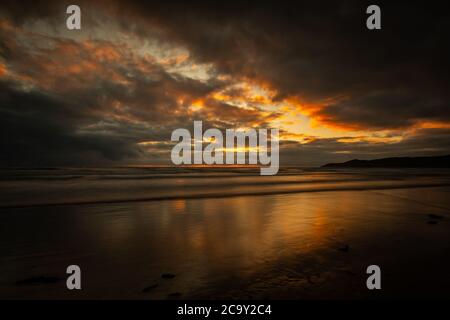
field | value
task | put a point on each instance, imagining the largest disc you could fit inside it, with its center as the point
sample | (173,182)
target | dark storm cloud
(19,12)
(67,102)
(77,102)
(389,109)
(38,129)
(323,50)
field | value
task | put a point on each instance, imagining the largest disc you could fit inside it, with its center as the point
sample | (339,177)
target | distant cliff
(401,162)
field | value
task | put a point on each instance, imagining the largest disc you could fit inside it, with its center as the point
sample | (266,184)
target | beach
(164,233)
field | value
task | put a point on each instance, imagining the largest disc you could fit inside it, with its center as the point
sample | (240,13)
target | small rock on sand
(435,216)
(174,295)
(150,287)
(167,276)
(348,272)
(344,248)
(432,222)
(37,280)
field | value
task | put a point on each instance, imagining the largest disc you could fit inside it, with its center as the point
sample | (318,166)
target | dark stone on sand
(309,279)
(150,287)
(435,216)
(345,248)
(174,295)
(167,276)
(432,222)
(37,280)
(348,272)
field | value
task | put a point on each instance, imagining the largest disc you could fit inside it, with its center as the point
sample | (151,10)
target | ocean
(184,232)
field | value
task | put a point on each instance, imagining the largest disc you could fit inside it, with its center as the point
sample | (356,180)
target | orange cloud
(3,70)
(102,52)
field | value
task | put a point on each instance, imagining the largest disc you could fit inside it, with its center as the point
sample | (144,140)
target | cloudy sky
(113,92)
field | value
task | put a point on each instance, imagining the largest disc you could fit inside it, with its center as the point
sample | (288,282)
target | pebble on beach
(38,280)
(150,287)
(345,248)
(435,216)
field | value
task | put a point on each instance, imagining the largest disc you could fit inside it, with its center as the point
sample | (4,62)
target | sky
(113,92)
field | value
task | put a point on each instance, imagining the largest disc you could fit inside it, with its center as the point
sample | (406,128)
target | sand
(299,245)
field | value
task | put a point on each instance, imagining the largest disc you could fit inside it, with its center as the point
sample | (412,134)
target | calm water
(263,237)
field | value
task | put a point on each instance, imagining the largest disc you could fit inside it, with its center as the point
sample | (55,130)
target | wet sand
(309,245)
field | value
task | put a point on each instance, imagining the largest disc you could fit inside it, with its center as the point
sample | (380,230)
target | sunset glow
(147,83)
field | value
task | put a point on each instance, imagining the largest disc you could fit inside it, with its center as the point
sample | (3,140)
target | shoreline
(288,246)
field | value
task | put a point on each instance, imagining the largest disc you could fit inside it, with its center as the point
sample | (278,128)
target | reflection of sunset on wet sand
(299,245)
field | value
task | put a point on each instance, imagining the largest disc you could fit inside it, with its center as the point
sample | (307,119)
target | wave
(381,185)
